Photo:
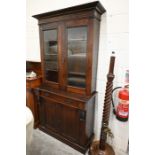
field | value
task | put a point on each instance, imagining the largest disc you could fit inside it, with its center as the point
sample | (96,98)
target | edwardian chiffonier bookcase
(69,41)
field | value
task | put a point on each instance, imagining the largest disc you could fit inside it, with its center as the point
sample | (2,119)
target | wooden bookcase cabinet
(69,51)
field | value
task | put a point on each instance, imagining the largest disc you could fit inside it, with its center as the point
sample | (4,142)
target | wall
(113,37)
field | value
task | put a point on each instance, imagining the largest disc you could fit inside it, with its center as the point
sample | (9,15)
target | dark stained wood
(101,147)
(68,115)
(31,100)
(96,32)
(30,85)
(76,23)
(41,32)
(72,10)
(75,96)
(41,53)
(65,111)
(76,90)
(89,57)
(94,149)
(92,49)
(107,103)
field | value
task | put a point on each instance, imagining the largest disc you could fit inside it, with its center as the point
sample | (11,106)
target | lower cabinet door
(51,113)
(60,118)
(71,123)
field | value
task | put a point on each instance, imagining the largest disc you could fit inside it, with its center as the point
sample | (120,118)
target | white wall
(113,37)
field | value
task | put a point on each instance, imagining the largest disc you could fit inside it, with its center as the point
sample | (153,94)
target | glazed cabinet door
(66,55)
(77,55)
(77,50)
(50,52)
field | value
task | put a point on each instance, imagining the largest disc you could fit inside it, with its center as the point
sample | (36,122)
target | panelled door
(54,116)
(71,122)
(65,55)
(77,55)
(50,53)
(60,118)
(51,116)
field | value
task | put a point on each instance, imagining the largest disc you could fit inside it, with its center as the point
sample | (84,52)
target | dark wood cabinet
(67,116)
(69,51)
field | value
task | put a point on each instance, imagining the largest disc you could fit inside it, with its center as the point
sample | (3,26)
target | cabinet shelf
(48,69)
(51,54)
(77,74)
(70,40)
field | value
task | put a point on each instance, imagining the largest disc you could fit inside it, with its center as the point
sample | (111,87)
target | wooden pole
(107,103)
(101,147)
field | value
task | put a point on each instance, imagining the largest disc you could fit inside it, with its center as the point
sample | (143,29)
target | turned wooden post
(107,103)
(101,147)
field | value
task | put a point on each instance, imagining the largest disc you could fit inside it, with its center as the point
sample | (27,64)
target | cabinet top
(83,7)
(74,96)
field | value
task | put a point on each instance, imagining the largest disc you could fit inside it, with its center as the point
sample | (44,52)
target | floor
(43,144)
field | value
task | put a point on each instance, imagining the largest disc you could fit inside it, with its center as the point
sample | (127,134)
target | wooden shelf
(50,54)
(70,40)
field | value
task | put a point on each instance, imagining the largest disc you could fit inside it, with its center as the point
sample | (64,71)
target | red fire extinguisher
(122,109)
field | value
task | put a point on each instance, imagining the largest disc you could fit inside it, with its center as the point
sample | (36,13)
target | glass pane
(51,55)
(77,48)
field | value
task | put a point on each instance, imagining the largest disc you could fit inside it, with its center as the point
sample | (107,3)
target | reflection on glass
(51,55)
(77,47)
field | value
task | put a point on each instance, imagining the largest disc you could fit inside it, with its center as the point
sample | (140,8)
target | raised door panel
(71,123)
(50,110)
(41,112)
(60,118)
(53,115)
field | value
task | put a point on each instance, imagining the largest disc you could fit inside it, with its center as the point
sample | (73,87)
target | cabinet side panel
(92,58)
(96,32)
(90,117)
(89,57)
